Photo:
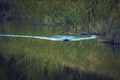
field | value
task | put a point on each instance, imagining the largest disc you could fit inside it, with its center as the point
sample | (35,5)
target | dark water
(38,59)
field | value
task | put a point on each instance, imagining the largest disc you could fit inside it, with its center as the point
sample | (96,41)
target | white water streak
(54,38)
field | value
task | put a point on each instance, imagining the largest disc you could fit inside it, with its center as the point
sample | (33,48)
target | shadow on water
(9,71)
(114,48)
(75,74)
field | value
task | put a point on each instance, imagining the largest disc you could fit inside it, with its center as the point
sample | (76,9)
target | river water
(34,52)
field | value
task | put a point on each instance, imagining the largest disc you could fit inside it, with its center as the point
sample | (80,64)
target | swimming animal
(66,40)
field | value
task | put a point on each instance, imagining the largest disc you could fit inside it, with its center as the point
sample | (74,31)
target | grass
(90,16)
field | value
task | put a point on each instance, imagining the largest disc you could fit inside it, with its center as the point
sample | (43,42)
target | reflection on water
(113,48)
(36,59)
(55,38)
(67,73)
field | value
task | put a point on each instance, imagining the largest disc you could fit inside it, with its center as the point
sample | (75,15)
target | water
(34,52)
(54,38)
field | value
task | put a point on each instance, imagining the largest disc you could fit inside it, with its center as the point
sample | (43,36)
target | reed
(95,16)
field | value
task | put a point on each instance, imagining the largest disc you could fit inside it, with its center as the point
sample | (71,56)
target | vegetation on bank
(96,16)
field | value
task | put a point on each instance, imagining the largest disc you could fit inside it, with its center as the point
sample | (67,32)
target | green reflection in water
(33,59)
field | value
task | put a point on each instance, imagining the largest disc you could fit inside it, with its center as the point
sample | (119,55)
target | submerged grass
(42,58)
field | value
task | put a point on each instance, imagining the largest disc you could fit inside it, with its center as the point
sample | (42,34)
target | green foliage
(57,10)
(99,16)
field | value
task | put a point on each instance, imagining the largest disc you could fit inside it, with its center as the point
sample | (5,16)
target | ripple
(54,38)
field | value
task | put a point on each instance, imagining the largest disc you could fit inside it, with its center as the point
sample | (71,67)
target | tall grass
(94,16)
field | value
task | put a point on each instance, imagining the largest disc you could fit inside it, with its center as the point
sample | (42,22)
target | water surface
(23,57)
(54,38)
